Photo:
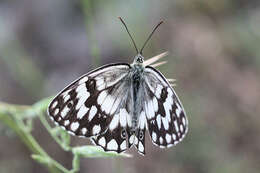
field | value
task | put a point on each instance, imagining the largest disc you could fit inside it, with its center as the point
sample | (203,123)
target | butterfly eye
(140,59)
(123,134)
(141,135)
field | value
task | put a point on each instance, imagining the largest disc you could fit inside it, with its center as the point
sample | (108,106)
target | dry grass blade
(155,58)
(172,80)
(159,63)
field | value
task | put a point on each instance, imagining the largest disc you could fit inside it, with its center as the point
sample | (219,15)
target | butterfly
(115,104)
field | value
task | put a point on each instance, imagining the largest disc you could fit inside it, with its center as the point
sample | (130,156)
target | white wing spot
(101,97)
(131,139)
(106,105)
(54,104)
(168,138)
(170,93)
(176,126)
(82,112)
(102,141)
(165,123)
(66,93)
(158,91)
(83,80)
(100,83)
(169,99)
(112,145)
(65,111)
(181,128)
(183,121)
(140,147)
(173,136)
(84,130)
(135,140)
(179,134)
(92,112)
(82,99)
(167,109)
(74,126)
(151,109)
(96,129)
(56,111)
(66,98)
(66,122)
(178,110)
(161,140)
(114,123)
(123,145)
(154,136)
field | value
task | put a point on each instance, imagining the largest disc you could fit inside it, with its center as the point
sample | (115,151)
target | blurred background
(214,55)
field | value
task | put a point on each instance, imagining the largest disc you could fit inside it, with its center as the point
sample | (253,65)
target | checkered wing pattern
(117,134)
(166,119)
(90,104)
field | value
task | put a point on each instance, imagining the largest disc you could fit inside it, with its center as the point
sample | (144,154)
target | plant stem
(20,129)
(88,14)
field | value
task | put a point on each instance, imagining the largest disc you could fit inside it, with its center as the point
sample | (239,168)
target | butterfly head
(139,59)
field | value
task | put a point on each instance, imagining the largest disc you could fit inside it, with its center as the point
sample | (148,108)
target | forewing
(87,106)
(166,119)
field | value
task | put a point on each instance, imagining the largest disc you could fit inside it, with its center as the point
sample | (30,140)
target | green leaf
(95,152)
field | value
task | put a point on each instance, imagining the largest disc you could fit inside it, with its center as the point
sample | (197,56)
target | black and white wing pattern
(166,119)
(89,106)
(116,135)
(114,108)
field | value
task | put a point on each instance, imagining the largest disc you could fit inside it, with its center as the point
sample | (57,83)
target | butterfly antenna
(141,52)
(129,34)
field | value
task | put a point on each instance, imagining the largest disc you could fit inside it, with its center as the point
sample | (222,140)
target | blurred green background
(214,55)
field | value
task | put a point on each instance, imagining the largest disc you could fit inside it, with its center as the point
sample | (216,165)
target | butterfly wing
(88,105)
(166,119)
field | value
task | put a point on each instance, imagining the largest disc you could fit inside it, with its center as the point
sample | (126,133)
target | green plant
(20,119)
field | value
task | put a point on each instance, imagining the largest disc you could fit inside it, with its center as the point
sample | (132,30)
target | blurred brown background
(214,55)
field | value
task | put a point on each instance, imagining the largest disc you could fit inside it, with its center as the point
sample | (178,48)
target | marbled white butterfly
(115,104)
